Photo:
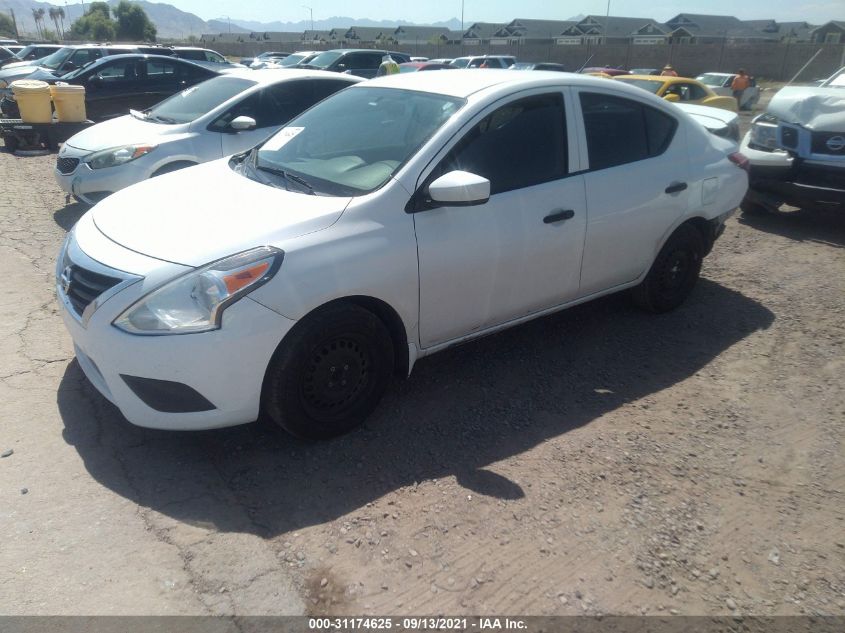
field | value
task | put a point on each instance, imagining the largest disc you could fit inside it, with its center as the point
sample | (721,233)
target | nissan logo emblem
(836,143)
(64,279)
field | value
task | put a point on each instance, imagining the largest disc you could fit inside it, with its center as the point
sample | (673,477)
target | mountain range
(173,23)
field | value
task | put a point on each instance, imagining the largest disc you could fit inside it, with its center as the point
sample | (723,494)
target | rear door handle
(675,187)
(558,215)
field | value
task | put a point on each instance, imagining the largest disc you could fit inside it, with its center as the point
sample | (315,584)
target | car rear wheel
(329,373)
(674,272)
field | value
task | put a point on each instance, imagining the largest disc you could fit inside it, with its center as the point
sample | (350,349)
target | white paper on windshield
(281,138)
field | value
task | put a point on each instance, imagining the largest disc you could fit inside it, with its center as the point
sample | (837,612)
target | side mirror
(243,123)
(459,189)
(69,66)
(93,82)
(672,97)
(341,68)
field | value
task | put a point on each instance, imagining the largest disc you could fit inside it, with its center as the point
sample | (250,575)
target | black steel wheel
(329,373)
(674,272)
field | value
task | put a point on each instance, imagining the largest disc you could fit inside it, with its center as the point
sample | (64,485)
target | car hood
(124,130)
(10,74)
(813,108)
(20,64)
(200,214)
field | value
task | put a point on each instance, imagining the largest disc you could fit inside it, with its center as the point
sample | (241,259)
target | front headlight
(195,301)
(764,132)
(118,155)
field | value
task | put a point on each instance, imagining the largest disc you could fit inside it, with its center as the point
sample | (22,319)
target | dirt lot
(598,461)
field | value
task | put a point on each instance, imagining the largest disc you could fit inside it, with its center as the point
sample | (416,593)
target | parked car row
(341,229)
(66,59)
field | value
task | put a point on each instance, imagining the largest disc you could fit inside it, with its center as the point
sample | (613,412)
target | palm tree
(40,20)
(54,15)
(37,17)
(61,13)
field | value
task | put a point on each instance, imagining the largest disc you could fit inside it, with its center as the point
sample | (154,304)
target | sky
(814,11)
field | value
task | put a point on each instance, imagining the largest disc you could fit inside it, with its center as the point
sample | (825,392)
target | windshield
(292,60)
(193,102)
(711,80)
(837,81)
(461,62)
(652,86)
(324,60)
(26,50)
(79,71)
(354,141)
(56,59)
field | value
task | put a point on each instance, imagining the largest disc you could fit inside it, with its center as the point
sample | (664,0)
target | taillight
(740,160)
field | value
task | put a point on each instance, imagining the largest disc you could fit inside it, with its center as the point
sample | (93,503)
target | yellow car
(680,89)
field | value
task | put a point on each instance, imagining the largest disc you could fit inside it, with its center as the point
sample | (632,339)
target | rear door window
(621,131)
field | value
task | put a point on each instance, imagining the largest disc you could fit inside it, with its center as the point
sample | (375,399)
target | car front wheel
(674,272)
(329,373)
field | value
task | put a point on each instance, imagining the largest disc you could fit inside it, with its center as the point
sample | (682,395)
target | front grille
(789,137)
(66,165)
(84,286)
(836,140)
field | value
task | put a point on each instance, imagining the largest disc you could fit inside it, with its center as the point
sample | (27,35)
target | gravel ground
(598,461)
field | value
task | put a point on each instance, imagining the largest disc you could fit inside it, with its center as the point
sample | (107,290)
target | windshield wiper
(285,174)
(161,119)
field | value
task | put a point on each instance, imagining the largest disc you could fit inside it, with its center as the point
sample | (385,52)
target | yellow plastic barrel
(69,101)
(33,99)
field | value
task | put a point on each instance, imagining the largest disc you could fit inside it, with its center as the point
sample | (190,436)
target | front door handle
(558,215)
(676,187)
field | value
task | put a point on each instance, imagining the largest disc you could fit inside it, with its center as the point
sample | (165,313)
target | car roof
(139,56)
(464,82)
(271,75)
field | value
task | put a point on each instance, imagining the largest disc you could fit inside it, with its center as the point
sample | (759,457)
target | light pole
(229,22)
(462,27)
(312,17)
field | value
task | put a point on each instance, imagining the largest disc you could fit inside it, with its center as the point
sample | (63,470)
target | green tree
(7,27)
(96,24)
(133,23)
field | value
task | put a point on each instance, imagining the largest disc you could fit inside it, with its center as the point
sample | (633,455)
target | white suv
(390,221)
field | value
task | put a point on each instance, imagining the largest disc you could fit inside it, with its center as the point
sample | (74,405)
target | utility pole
(312,17)
(14,22)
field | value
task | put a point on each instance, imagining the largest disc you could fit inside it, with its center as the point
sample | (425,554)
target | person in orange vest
(739,85)
(668,71)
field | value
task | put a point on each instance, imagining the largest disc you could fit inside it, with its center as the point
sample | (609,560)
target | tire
(674,272)
(11,143)
(329,373)
(171,167)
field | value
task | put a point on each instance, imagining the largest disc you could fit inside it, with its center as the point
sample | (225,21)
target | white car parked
(219,117)
(392,220)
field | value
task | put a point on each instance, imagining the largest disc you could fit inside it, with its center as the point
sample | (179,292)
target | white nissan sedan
(218,117)
(388,222)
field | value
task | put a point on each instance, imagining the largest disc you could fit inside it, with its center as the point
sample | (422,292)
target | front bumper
(777,178)
(92,185)
(151,379)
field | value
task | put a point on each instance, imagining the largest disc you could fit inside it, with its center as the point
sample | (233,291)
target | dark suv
(70,58)
(118,83)
(361,62)
(30,53)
